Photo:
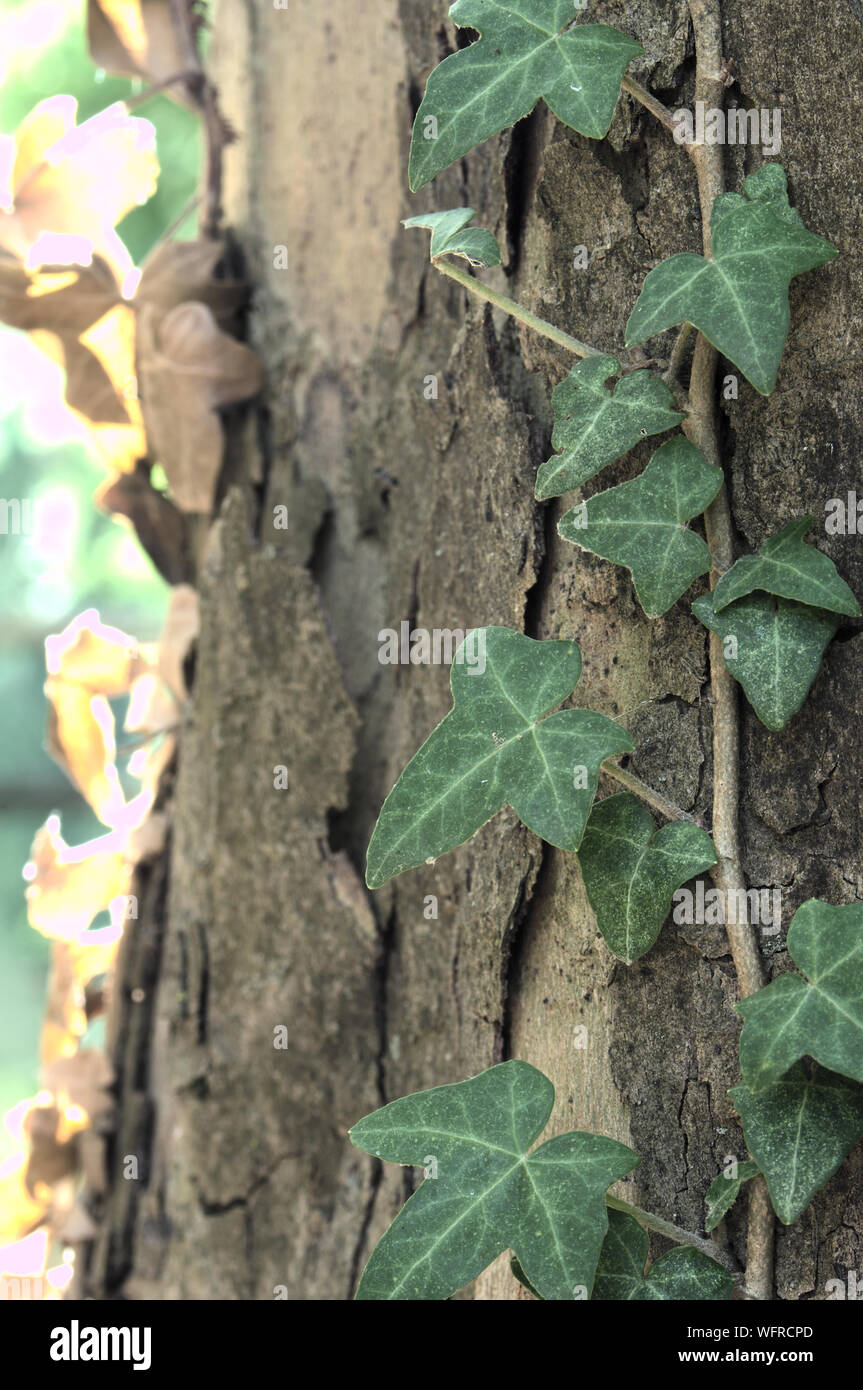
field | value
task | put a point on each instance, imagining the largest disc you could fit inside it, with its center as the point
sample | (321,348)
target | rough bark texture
(405,507)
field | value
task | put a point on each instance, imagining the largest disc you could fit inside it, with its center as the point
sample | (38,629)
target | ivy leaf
(594,426)
(631,871)
(820,1016)
(787,567)
(779,646)
(800,1130)
(494,748)
(724,1191)
(490,1194)
(519,1274)
(527,51)
(739,298)
(451,236)
(683,1274)
(641,524)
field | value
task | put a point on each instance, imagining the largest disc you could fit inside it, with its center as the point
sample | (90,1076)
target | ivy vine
(506,742)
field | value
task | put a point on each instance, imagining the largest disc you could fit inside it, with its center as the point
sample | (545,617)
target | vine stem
(667,1228)
(217,133)
(188,75)
(641,789)
(701,427)
(678,356)
(650,102)
(509,306)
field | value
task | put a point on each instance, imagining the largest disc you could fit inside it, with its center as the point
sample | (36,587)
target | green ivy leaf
(641,524)
(800,1130)
(787,567)
(490,1193)
(739,298)
(779,649)
(594,426)
(495,748)
(631,872)
(821,1016)
(528,50)
(684,1274)
(451,236)
(519,1274)
(724,1191)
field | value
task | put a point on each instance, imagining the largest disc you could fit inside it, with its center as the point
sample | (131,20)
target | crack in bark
(243,1199)
(511,947)
(521,171)
(202,1011)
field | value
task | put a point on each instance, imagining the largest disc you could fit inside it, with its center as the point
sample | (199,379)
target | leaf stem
(178,221)
(667,1228)
(652,103)
(187,75)
(701,428)
(509,306)
(641,789)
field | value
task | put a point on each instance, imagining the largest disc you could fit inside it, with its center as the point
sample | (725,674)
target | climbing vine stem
(683,479)
(701,427)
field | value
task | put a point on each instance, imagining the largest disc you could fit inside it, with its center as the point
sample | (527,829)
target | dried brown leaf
(179,631)
(187,369)
(71,184)
(179,271)
(79,735)
(136,38)
(148,840)
(160,527)
(88,662)
(66,303)
(81,1081)
(91,654)
(52,1148)
(20,1209)
(78,1226)
(68,886)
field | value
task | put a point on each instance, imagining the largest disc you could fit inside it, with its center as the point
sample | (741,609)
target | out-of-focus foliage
(76,557)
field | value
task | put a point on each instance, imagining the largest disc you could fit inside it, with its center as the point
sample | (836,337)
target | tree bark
(403,507)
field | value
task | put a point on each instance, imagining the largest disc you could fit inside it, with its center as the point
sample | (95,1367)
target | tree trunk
(407,505)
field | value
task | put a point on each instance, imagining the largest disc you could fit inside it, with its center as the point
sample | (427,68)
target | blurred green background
(45,457)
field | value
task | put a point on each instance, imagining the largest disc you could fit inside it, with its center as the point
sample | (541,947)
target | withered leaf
(81,1080)
(78,1226)
(160,527)
(137,38)
(179,630)
(88,662)
(71,184)
(79,735)
(52,1152)
(20,1210)
(66,302)
(74,964)
(94,655)
(187,369)
(68,886)
(179,271)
